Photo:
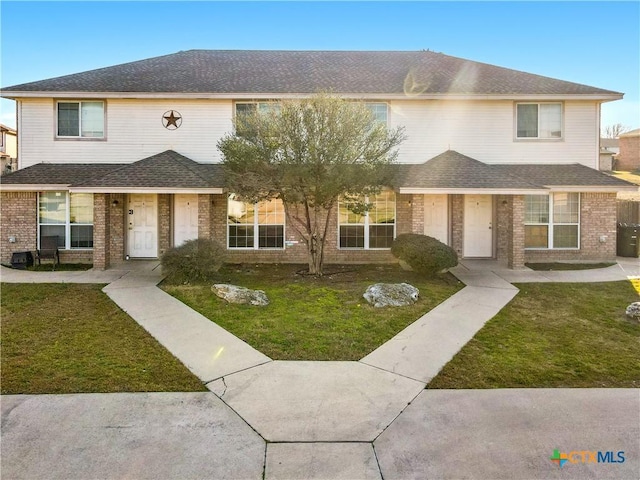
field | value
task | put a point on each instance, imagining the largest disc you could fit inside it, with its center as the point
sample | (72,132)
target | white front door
(185,218)
(142,222)
(478,233)
(436,217)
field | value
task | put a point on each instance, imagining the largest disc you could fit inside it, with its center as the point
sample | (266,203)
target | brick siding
(457,223)
(19,215)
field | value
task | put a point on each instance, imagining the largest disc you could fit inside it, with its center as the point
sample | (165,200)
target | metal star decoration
(171,120)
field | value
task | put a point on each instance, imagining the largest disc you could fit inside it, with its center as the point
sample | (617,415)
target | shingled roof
(302,72)
(167,170)
(452,170)
(571,175)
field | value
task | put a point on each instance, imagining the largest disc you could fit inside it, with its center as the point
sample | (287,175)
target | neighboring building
(8,149)
(122,161)
(629,157)
(609,148)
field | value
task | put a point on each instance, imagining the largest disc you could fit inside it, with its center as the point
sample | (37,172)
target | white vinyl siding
(134,131)
(482,129)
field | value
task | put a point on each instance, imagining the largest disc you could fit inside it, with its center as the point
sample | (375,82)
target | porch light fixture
(115,203)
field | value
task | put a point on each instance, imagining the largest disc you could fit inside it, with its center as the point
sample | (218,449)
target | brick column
(164,223)
(404,216)
(19,217)
(417,214)
(101,231)
(515,257)
(116,227)
(204,215)
(457,223)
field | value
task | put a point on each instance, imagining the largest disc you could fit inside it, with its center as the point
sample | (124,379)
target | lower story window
(68,216)
(255,226)
(552,221)
(372,229)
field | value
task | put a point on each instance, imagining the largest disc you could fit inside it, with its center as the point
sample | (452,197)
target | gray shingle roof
(562,175)
(168,169)
(58,174)
(453,170)
(281,72)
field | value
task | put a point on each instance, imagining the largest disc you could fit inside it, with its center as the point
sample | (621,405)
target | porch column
(101,237)
(205,211)
(515,254)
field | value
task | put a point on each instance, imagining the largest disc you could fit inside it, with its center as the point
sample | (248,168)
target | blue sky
(595,43)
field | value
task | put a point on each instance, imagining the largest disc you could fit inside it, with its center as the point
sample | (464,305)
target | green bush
(194,261)
(424,254)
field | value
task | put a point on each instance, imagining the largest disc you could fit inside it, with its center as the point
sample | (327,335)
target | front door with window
(142,221)
(185,223)
(478,233)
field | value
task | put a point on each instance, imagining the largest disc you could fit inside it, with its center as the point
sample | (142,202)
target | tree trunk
(315,256)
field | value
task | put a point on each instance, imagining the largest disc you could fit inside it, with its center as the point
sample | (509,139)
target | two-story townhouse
(122,162)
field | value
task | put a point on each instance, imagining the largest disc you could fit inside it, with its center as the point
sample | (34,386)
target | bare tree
(613,131)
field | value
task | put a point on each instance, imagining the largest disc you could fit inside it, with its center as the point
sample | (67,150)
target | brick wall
(205,213)
(516,255)
(629,156)
(296,252)
(101,231)
(164,223)
(117,227)
(597,219)
(19,215)
(457,223)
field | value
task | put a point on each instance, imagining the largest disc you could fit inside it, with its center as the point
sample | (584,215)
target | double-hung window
(68,216)
(379,112)
(80,119)
(372,229)
(255,226)
(538,120)
(552,221)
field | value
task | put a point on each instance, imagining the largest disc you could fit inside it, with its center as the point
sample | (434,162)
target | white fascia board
(210,191)
(474,191)
(593,189)
(262,96)
(33,187)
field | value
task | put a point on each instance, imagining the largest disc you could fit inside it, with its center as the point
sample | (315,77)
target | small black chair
(49,249)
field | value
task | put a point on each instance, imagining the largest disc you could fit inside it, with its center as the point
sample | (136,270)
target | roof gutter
(16,95)
(145,190)
(471,191)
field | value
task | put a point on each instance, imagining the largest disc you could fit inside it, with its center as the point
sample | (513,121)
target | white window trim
(79,138)
(538,139)
(366,225)
(551,225)
(256,231)
(67,226)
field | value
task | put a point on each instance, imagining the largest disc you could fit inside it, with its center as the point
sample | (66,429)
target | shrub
(424,254)
(194,261)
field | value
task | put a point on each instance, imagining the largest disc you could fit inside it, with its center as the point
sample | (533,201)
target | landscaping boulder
(391,294)
(633,311)
(242,295)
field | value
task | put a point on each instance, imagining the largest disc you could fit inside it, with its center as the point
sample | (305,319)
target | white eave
(473,191)
(594,189)
(151,190)
(16,95)
(32,187)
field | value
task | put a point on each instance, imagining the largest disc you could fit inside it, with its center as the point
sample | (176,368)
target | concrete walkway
(320,419)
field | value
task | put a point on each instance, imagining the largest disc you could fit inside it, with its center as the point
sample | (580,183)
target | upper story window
(80,119)
(379,112)
(373,229)
(539,120)
(256,226)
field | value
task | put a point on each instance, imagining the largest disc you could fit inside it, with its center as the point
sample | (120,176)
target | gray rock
(633,311)
(242,295)
(391,294)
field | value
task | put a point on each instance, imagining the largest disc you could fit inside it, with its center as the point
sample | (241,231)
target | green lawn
(68,338)
(314,319)
(553,335)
